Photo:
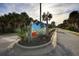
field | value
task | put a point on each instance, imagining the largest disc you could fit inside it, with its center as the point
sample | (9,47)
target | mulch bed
(41,39)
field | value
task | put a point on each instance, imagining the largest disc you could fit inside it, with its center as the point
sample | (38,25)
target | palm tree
(46,17)
(12,21)
(29,23)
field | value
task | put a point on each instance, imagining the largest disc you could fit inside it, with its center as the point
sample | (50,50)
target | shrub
(22,33)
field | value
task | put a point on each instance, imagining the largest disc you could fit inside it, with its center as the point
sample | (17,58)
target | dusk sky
(60,11)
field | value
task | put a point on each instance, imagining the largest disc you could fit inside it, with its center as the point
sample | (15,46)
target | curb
(20,50)
(37,50)
(33,47)
(53,41)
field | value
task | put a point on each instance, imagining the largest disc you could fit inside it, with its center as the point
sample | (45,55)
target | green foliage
(22,33)
(9,22)
(46,17)
(72,23)
(70,28)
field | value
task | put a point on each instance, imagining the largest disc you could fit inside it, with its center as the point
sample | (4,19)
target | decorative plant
(22,33)
(24,30)
(46,17)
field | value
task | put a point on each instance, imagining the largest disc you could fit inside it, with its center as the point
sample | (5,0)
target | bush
(22,33)
(71,29)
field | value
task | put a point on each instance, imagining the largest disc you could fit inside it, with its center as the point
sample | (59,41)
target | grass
(76,33)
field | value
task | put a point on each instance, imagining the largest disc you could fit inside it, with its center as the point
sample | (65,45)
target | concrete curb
(37,50)
(33,47)
(53,41)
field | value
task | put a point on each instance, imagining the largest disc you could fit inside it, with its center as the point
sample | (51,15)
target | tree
(53,24)
(72,23)
(73,18)
(46,17)
(30,29)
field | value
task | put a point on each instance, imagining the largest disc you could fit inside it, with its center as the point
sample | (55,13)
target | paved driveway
(7,40)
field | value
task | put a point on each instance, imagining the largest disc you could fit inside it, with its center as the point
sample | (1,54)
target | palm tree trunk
(47,27)
(29,33)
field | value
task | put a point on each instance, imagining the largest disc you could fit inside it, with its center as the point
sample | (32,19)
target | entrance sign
(38,28)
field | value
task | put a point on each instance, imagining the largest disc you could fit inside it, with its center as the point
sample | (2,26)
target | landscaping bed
(41,39)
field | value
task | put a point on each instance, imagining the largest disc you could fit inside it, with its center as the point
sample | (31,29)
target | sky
(60,11)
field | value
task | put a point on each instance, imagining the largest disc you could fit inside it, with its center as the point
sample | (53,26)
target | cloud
(64,4)
(63,8)
(32,9)
(60,11)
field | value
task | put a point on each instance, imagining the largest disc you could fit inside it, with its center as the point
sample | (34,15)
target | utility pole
(40,12)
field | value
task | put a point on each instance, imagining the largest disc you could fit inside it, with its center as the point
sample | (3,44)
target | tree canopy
(72,23)
(9,22)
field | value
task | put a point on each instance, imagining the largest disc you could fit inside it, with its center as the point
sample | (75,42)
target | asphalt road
(67,44)
(68,40)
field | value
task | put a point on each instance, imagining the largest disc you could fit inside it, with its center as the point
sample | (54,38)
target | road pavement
(67,44)
(6,40)
(68,40)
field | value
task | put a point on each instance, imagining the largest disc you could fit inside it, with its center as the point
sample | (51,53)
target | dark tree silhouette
(72,23)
